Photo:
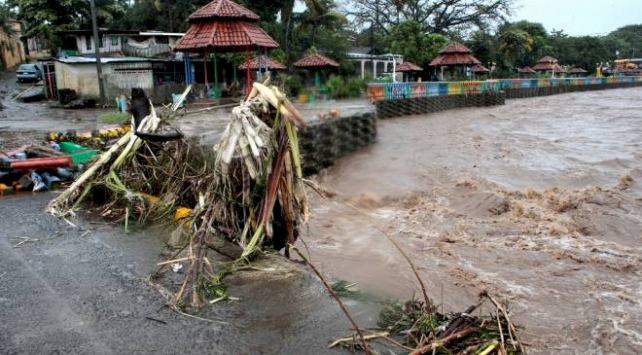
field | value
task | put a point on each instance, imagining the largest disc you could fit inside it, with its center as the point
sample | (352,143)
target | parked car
(29,72)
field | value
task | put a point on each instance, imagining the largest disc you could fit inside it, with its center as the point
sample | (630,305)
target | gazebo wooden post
(247,70)
(205,68)
(259,75)
(216,91)
(267,67)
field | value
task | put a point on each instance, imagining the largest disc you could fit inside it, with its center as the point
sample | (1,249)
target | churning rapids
(538,201)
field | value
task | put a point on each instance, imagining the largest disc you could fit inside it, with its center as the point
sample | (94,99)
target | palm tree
(515,44)
(323,16)
(287,12)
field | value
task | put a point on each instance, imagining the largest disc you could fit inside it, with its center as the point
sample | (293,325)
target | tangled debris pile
(424,330)
(249,190)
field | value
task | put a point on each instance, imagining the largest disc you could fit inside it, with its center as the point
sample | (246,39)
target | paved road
(82,291)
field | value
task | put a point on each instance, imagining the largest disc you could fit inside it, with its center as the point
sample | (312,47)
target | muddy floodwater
(537,201)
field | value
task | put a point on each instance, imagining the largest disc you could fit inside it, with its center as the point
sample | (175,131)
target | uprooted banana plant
(249,190)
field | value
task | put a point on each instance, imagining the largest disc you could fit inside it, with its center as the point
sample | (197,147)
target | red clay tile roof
(454,59)
(224,37)
(527,70)
(547,59)
(265,62)
(454,54)
(548,66)
(223,9)
(455,47)
(577,71)
(480,69)
(408,66)
(316,61)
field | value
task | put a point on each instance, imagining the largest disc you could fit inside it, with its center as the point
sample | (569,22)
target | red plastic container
(39,163)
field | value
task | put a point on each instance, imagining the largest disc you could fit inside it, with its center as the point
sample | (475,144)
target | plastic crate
(78,153)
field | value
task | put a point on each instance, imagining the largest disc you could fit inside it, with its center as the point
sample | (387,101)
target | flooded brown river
(538,202)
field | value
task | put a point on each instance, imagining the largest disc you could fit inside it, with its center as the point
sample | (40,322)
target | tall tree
(515,45)
(45,18)
(408,39)
(630,41)
(434,16)
(484,46)
(325,16)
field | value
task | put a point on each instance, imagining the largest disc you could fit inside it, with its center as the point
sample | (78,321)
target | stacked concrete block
(322,143)
(425,105)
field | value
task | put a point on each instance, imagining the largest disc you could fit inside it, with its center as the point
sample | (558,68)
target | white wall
(119,78)
(81,42)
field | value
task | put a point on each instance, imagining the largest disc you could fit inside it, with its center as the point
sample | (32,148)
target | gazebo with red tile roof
(316,62)
(548,63)
(262,62)
(527,70)
(577,72)
(480,69)
(224,26)
(455,54)
(408,67)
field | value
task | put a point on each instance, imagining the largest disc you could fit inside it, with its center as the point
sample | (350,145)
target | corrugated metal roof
(225,37)
(88,60)
(223,9)
(315,61)
(265,62)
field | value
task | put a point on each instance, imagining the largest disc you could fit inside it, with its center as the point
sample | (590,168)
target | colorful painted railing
(389,91)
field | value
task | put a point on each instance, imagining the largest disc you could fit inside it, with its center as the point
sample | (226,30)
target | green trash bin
(78,153)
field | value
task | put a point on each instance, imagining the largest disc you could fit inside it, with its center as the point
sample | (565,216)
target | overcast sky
(580,17)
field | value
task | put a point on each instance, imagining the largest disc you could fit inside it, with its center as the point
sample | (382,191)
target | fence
(513,87)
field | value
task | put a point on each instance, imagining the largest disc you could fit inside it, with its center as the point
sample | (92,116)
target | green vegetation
(114,117)
(416,29)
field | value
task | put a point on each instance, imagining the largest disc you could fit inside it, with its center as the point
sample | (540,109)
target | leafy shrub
(355,86)
(291,85)
(335,87)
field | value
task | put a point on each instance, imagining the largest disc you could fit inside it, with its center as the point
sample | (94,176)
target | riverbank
(537,201)
(83,290)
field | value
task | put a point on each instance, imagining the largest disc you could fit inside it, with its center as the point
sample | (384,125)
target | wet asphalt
(83,290)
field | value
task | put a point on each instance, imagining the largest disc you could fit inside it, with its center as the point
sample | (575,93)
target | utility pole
(99,68)
(372,41)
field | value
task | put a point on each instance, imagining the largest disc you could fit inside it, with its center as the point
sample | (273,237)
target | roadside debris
(418,328)
(37,168)
(247,190)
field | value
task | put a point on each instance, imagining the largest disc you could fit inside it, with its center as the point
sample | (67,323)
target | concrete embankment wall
(523,93)
(323,142)
(401,99)
(422,105)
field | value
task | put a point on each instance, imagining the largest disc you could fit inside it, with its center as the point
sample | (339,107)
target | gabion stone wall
(323,142)
(521,93)
(423,105)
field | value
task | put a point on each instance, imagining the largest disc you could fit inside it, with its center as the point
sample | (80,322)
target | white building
(366,59)
(127,43)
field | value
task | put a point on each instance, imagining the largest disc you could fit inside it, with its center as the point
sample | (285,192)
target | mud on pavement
(66,290)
